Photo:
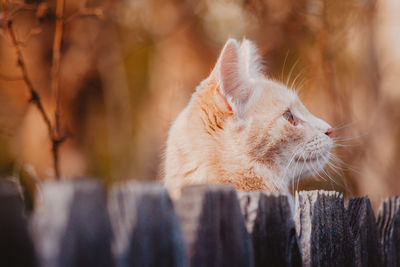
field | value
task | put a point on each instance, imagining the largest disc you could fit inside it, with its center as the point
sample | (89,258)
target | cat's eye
(289,117)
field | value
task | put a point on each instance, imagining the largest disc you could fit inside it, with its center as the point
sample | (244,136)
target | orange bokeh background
(128,67)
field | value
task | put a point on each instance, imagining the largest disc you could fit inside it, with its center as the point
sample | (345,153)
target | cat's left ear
(251,59)
(231,73)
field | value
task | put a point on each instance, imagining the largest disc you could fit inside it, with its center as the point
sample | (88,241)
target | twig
(34,96)
(54,134)
(32,32)
(55,81)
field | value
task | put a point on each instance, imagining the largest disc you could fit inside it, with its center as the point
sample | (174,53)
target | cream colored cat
(243,129)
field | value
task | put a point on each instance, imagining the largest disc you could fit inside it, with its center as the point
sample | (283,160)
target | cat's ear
(252,61)
(231,74)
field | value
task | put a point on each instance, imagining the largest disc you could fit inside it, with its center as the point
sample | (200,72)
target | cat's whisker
(276,186)
(284,64)
(298,182)
(344,145)
(318,174)
(349,138)
(297,166)
(290,73)
(330,178)
(315,172)
(295,151)
(350,141)
(343,126)
(332,162)
(345,186)
(295,79)
(345,165)
(296,177)
(300,86)
(302,167)
(334,168)
(338,170)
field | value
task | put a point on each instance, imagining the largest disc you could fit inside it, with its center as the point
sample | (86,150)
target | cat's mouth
(308,159)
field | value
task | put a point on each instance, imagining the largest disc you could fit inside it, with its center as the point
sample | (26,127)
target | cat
(244,129)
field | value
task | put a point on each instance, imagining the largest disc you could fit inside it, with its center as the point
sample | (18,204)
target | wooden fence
(78,223)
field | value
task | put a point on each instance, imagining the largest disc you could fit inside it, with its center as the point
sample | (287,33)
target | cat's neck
(249,176)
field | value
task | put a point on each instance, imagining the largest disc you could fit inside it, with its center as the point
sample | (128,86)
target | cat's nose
(329,132)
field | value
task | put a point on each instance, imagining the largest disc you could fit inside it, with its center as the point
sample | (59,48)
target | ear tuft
(252,61)
(230,75)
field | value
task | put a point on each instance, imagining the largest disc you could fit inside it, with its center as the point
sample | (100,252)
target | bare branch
(55,80)
(54,132)
(32,32)
(34,96)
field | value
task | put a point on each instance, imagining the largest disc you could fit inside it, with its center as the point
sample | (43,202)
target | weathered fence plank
(323,229)
(365,232)
(270,224)
(16,248)
(146,229)
(71,227)
(213,227)
(389,228)
(140,226)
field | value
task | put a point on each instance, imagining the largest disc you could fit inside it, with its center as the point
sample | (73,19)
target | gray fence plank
(270,224)
(389,228)
(213,227)
(146,229)
(16,248)
(71,227)
(365,232)
(323,229)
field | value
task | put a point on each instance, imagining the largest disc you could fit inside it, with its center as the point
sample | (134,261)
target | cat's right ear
(233,84)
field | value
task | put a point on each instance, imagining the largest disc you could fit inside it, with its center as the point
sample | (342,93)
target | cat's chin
(314,158)
(311,166)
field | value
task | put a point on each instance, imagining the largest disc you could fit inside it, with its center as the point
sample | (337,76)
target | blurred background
(128,67)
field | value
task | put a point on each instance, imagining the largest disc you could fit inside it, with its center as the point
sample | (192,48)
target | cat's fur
(234,130)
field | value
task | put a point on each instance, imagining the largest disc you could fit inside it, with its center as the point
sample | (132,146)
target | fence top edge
(319,193)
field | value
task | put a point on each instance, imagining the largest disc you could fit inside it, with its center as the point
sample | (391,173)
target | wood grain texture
(323,229)
(210,225)
(71,227)
(146,229)
(367,250)
(213,227)
(270,223)
(389,229)
(16,247)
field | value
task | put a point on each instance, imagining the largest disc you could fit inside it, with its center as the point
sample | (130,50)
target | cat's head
(267,123)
